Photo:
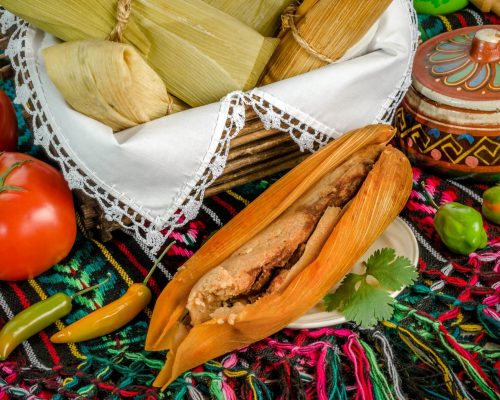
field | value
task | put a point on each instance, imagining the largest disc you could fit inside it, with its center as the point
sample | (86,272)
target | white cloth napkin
(153,168)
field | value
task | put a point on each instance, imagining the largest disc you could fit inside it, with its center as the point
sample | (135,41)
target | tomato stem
(157,262)
(3,177)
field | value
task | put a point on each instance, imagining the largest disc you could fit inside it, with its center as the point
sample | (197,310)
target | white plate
(398,236)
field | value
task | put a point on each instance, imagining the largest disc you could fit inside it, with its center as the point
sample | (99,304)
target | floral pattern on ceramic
(450,62)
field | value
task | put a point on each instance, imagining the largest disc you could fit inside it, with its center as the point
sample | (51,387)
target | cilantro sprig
(364,298)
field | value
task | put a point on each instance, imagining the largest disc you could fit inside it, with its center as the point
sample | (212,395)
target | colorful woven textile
(442,343)
(432,25)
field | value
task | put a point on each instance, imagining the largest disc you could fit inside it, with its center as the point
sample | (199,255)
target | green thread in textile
(493,354)
(214,385)
(432,359)
(435,394)
(491,325)
(379,383)
(470,370)
(338,390)
(88,391)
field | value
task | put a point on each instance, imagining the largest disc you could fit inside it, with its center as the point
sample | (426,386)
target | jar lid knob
(486,46)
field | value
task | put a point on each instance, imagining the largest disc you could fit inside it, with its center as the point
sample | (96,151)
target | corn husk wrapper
(109,82)
(200,52)
(261,15)
(379,201)
(304,7)
(330,28)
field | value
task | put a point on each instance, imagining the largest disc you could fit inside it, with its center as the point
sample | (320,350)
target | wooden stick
(6,70)
(4,42)
(258,158)
(252,125)
(258,167)
(262,173)
(252,137)
(259,146)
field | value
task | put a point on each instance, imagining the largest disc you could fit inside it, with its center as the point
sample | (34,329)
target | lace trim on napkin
(151,233)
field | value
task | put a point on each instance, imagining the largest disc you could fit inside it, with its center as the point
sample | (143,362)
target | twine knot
(288,22)
(123,9)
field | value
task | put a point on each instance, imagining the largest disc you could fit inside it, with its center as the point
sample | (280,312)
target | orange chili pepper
(112,316)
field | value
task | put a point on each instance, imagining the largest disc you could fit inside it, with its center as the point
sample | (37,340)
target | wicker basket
(255,153)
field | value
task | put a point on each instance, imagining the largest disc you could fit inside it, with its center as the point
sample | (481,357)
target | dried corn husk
(261,15)
(328,29)
(200,52)
(304,7)
(378,202)
(109,82)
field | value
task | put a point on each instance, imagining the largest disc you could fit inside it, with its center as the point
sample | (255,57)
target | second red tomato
(8,124)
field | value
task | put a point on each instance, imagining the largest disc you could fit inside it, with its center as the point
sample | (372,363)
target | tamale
(109,82)
(261,15)
(200,52)
(304,7)
(326,31)
(345,236)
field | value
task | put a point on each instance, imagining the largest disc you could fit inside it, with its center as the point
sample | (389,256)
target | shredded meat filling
(249,272)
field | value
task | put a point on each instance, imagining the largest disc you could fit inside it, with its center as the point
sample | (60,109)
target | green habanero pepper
(460,228)
(36,318)
(491,204)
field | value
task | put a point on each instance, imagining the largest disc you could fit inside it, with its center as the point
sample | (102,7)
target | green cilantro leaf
(367,301)
(392,272)
(338,299)
(369,305)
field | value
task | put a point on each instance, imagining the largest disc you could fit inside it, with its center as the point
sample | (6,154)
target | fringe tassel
(379,383)
(418,343)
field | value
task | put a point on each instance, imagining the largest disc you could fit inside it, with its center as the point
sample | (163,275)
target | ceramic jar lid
(461,68)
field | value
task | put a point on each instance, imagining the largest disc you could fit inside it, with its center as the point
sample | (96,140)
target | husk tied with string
(261,15)
(340,237)
(109,82)
(200,52)
(320,34)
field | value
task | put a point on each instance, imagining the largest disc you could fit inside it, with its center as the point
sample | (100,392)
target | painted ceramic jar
(450,118)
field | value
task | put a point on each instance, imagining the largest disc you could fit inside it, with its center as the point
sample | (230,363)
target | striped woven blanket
(442,343)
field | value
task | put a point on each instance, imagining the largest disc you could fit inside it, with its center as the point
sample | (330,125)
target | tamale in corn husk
(327,30)
(261,15)
(344,232)
(200,52)
(109,82)
(304,7)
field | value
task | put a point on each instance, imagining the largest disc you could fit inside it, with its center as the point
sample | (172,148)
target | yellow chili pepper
(112,316)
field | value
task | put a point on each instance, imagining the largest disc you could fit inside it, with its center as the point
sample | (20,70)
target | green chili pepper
(36,318)
(460,228)
(491,204)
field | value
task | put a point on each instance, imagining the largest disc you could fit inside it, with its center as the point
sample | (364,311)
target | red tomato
(8,124)
(37,217)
